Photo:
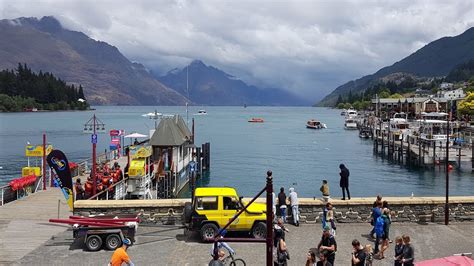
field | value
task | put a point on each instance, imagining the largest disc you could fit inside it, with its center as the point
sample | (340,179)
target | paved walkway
(167,245)
(24,223)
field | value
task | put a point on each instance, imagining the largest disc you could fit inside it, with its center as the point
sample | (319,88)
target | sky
(307,47)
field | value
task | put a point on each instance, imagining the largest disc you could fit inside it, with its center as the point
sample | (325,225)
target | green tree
(396,96)
(466,106)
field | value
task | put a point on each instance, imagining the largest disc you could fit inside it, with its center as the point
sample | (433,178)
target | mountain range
(435,59)
(109,78)
(208,85)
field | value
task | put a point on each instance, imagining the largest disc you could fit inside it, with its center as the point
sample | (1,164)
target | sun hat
(127,242)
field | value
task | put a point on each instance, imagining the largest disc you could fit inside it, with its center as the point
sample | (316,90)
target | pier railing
(119,189)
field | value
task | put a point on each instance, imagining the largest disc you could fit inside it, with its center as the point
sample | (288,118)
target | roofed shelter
(172,144)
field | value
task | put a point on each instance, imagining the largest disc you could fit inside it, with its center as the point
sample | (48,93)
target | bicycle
(233,261)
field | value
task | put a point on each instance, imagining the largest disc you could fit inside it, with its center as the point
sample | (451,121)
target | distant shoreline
(47,111)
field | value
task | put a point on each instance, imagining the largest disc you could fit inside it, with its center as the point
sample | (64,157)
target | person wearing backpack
(328,243)
(386,230)
(379,232)
(376,212)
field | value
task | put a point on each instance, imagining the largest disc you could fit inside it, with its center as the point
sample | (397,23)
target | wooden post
(434,152)
(419,151)
(44,163)
(400,157)
(459,157)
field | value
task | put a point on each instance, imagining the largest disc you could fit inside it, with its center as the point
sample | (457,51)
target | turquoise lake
(242,152)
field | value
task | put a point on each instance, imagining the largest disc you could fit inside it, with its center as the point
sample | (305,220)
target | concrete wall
(356,210)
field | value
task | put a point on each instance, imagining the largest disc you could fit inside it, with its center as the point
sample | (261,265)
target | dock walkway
(24,223)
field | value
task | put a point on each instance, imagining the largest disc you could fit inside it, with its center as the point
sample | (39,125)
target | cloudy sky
(309,47)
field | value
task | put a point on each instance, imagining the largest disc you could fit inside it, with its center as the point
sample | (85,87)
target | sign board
(37,150)
(192,166)
(116,132)
(94,138)
(142,152)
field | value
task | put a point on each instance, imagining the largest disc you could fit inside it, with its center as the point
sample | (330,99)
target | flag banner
(58,161)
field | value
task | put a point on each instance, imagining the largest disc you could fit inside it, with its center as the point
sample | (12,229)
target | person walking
(282,254)
(330,218)
(293,197)
(408,255)
(120,255)
(386,231)
(325,190)
(358,254)
(328,244)
(344,182)
(379,232)
(282,203)
(376,213)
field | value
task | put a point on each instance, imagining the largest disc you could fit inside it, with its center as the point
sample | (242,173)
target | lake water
(242,152)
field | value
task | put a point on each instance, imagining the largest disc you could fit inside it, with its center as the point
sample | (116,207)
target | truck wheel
(187,212)
(208,231)
(94,243)
(259,230)
(113,242)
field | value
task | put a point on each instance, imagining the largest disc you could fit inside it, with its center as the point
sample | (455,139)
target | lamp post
(94,126)
(446,205)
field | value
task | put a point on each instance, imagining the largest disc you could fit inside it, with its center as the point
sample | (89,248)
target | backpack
(379,225)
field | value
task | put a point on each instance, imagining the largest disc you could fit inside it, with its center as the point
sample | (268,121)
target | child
(398,251)
(325,190)
(369,253)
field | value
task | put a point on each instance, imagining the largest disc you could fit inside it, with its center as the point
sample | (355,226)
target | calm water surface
(241,152)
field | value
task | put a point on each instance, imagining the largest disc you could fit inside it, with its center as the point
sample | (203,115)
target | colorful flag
(58,161)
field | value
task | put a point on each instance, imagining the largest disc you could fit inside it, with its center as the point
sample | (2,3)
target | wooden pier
(414,151)
(24,223)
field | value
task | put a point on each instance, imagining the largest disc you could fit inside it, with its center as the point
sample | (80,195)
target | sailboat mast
(187,91)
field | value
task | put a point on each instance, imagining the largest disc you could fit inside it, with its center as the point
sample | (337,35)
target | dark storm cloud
(309,47)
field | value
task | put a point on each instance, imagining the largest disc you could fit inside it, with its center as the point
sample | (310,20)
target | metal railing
(120,191)
(2,191)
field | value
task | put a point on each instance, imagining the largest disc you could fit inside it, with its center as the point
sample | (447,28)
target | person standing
(293,197)
(120,255)
(398,251)
(330,218)
(79,190)
(344,182)
(376,213)
(408,255)
(323,259)
(282,203)
(358,254)
(311,258)
(328,244)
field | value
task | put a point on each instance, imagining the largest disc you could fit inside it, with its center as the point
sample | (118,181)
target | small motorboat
(256,120)
(364,133)
(154,115)
(314,124)
(343,113)
(201,112)
(350,124)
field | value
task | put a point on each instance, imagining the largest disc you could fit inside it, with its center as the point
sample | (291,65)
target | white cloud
(306,46)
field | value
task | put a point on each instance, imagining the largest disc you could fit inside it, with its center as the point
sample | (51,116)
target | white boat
(399,125)
(350,123)
(433,127)
(154,115)
(314,124)
(351,113)
(343,113)
(201,112)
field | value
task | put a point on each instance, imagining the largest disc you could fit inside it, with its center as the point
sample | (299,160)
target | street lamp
(94,126)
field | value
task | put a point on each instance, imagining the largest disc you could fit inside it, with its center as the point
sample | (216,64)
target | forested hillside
(22,89)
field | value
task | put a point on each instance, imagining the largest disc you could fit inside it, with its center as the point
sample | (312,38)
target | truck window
(231,203)
(206,203)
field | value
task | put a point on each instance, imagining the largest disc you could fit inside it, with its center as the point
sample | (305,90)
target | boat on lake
(343,113)
(350,123)
(365,133)
(351,113)
(314,124)
(256,120)
(201,112)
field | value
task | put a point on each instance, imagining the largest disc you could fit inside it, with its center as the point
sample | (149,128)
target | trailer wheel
(94,243)
(187,212)
(113,241)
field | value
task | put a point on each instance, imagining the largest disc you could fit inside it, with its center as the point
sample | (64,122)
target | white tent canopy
(136,135)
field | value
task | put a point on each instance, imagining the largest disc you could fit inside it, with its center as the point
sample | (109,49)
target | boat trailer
(98,231)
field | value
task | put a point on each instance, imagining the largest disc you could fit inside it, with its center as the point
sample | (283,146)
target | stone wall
(356,210)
